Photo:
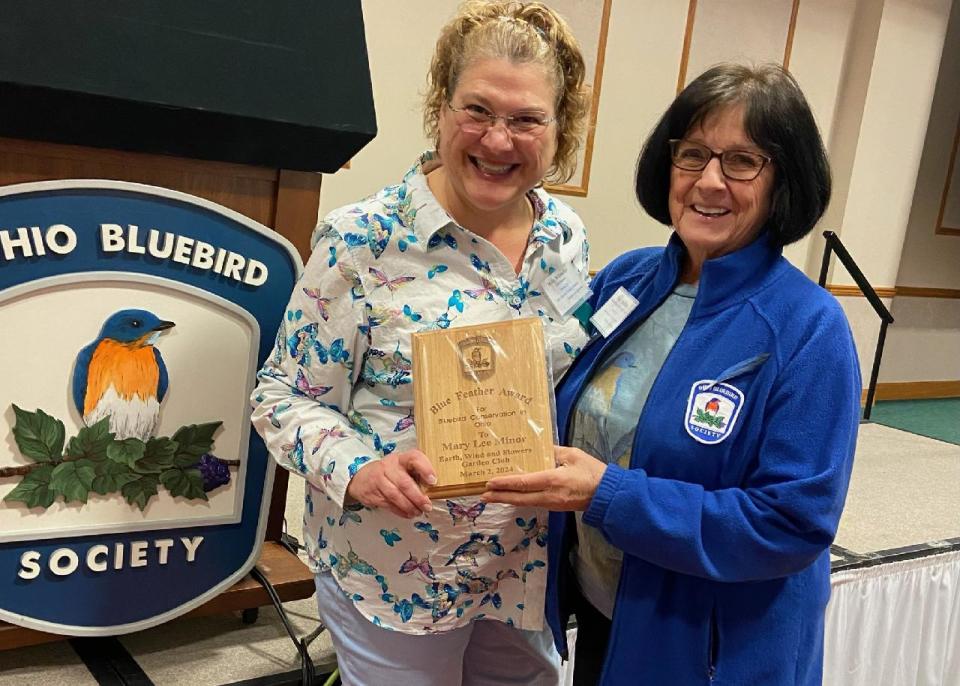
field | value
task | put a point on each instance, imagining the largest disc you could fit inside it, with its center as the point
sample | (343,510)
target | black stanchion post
(872,389)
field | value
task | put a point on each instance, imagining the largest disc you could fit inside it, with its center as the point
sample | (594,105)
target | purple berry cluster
(214,471)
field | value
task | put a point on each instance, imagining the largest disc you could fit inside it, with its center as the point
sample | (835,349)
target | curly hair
(521,32)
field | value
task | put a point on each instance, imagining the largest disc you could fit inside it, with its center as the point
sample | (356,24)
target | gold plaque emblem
(477,357)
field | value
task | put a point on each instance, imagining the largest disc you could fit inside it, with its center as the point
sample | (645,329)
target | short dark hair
(776,117)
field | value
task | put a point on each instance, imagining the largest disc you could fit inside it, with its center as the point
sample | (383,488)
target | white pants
(482,653)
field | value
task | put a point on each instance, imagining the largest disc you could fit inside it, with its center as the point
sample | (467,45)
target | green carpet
(935,418)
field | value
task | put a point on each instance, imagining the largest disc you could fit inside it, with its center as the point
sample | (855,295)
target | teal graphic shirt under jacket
(603,426)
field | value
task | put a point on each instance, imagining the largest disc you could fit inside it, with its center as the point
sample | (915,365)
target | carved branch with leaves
(95,461)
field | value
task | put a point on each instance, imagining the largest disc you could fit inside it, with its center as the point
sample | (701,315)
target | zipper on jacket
(713,646)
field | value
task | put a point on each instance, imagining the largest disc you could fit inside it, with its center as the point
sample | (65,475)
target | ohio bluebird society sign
(134,319)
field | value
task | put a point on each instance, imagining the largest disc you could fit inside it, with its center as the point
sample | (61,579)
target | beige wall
(929,259)
(924,342)
(848,51)
(400,38)
(870,71)
(892,131)
(640,76)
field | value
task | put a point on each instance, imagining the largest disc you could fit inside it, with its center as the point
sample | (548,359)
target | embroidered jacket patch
(712,410)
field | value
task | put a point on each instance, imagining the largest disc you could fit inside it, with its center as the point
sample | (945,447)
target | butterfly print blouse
(336,394)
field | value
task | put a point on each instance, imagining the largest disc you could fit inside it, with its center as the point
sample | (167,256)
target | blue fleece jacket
(737,479)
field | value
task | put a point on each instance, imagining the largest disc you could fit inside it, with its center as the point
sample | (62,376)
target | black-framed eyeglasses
(739,165)
(475,119)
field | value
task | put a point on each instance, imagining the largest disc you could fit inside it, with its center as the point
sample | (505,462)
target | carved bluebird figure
(122,375)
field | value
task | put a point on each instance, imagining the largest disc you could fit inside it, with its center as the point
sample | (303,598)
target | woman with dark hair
(712,420)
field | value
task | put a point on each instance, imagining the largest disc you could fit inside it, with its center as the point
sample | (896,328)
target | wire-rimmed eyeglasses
(474,119)
(739,165)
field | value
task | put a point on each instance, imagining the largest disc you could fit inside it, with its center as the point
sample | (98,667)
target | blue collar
(725,280)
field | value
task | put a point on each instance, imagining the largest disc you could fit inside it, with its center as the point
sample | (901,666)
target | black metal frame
(834,245)
(847,559)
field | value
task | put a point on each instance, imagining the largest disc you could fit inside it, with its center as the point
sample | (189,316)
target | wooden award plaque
(482,403)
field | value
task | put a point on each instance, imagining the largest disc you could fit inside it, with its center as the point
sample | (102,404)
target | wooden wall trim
(567,189)
(687,38)
(915,390)
(582,189)
(941,229)
(841,290)
(791,29)
(595,98)
(922,292)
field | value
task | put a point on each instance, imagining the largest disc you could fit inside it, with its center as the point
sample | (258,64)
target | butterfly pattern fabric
(336,394)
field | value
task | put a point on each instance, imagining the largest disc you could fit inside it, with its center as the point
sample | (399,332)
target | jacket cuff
(609,485)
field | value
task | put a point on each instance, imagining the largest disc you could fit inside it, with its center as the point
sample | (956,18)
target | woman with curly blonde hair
(442,592)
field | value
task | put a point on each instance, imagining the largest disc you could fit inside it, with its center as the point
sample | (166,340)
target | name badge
(566,290)
(612,313)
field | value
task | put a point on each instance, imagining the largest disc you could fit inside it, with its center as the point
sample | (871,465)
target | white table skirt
(895,624)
